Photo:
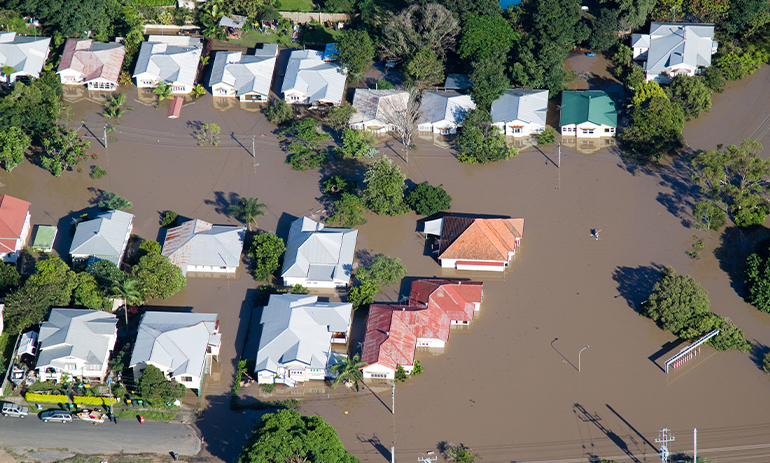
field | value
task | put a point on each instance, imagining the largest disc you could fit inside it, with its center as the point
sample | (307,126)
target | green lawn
(317,33)
(249,39)
(294,5)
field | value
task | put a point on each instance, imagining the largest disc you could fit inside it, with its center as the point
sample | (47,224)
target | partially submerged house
(199,246)
(588,114)
(457,82)
(103,238)
(26,55)
(170,59)
(388,343)
(312,81)
(246,77)
(180,344)
(459,299)
(671,49)
(45,236)
(14,227)
(520,112)
(317,256)
(93,64)
(297,335)
(443,112)
(76,342)
(467,243)
(377,110)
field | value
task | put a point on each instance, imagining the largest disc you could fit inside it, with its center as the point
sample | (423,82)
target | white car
(56,415)
(12,409)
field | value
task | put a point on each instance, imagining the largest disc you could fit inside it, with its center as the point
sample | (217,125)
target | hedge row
(147,414)
(153,2)
(46,398)
(95,400)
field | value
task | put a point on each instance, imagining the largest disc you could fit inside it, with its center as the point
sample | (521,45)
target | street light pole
(393,396)
(581,351)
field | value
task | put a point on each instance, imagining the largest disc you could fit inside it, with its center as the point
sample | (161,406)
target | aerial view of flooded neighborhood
(451,231)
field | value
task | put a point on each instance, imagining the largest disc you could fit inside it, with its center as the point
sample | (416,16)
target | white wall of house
(373,126)
(492,266)
(190,382)
(587,130)
(295,372)
(103,85)
(667,76)
(377,371)
(254,97)
(21,241)
(291,281)
(638,51)
(430,342)
(441,127)
(146,80)
(519,128)
(73,367)
(292,96)
(209,269)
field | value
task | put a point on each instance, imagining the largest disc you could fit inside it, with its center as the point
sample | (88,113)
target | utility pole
(665,437)
(695,445)
(428,458)
(253,152)
(105,136)
(581,351)
(393,396)
(558,166)
(392,454)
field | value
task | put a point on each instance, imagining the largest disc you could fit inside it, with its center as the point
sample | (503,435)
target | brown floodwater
(508,387)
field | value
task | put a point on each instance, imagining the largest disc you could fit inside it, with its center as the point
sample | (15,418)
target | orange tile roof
(483,239)
(13,214)
(93,60)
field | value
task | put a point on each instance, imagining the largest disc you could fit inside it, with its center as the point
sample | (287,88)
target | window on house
(379,375)
(517,130)
(70,366)
(187,379)
(93,367)
(587,131)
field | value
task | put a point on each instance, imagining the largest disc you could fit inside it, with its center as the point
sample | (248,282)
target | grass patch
(318,33)
(147,414)
(294,5)
(236,404)
(249,39)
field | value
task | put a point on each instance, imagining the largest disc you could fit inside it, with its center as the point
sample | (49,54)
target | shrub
(418,368)
(112,201)
(98,172)
(383,84)
(93,400)
(168,219)
(426,199)
(147,414)
(299,289)
(267,388)
(546,136)
(279,112)
(401,373)
(46,398)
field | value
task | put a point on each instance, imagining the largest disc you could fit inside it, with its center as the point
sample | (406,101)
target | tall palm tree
(128,290)
(163,90)
(348,372)
(247,210)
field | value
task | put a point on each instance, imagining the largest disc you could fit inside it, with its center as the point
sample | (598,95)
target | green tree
(747,17)
(547,136)
(287,436)
(27,306)
(63,148)
(279,112)
(265,252)
(208,134)
(199,90)
(605,34)
(338,117)
(691,93)
(384,191)
(485,37)
(55,275)
(88,294)
(675,300)
(163,90)
(400,374)
(299,289)
(426,199)
(757,276)
(106,274)
(303,140)
(385,270)
(153,385)
(714,79)
(348,210)
(68,17)
(709,11)
(128,290)
(739,63)
(157,277)
(355,51)
(458,454)
(708,215)
(418,368)
(363,294)
(635,77)
(355,143)
(424,69)
(481,142)
(489,81)
(9,278)
(33,108)
(247,210)
(348,371)
(113,202)
(622,59)
(149,247)
(646,92)
(427,27)
(13,143)
(656,128)
(168,219)
(729,337)
(336,185)
(766,363)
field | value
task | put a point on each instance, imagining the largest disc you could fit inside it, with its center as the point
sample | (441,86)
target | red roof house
(97,65)
(478,244)
(388,342)
(458,299)
(14,226)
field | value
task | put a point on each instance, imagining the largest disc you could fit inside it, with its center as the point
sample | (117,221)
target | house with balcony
(297,336)
(14,227)
(170,59)
(443,111)
(377,110)
(588,114)
(310,80)
(103,238)
(93,64)
(242,76)
(75,343)
(520,112)
(672,49)
(25,55)
(199,246)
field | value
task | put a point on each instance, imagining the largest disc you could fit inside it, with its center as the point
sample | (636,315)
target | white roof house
(376,109)
(77,342)
(181,344)
(247,77)
(443,112)
(97,65)
(26,55)
(318,257)
(520,112)
(297,334)
(198,246)
(103,238)
(311,80)
(171,59)
(674,48)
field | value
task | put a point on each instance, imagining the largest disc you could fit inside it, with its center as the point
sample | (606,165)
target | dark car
(56,415)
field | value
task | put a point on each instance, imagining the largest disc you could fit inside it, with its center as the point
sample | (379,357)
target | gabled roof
(379,105)
(175,341)
(309,74)
(679,43)
(448,105)
(170,58)
(298,328)
(196,242)
(457,82)
(80,333)
(235,21)
(593,106)
(25,54)
(388,340)
(479,239)
(521,104)
(456,298)
(102,237)
(245,73)
(13,215)
(319,253)
(93,59)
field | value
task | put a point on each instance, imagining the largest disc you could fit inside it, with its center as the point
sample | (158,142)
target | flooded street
(509,386)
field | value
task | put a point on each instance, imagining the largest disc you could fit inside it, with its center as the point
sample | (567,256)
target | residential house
(459,299)
(388,343)
(76,342)
(171,59)
(45,235)
(467,243)
(457,82)
(297,334)
(180,344)
(247,77)
(672,49)
(103,238)
(312,81)
(93,64)
(520,112)
(376,110)
(198,246)
(442,112)
(317,256)
(26,55)
(14,227)
(587,114)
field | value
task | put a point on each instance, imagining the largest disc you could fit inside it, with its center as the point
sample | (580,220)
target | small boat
(18,372)
(91,416)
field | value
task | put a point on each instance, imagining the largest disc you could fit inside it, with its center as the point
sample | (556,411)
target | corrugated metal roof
(455,297)
(388,340)
(197,242)
(312,243)
(309,74)
(93,60)
(679,43)
(176,341)
(521,104)
(245,73)
(457,82)
(25,54)
(298,328)
(13,215)
(234,21)
(171,59)
(593,106)
(88,335)
(103,237)
(439,106)
(377,105)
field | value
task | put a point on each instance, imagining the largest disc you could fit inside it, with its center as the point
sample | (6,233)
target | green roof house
(588,114)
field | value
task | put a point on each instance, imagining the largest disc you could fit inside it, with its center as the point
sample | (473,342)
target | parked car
(56,415)
(12,409)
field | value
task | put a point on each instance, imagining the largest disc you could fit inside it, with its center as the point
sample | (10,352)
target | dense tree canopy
(13,143)
(656,128)
(68,17)
(348,211)
(424,69)
(427,27)
(426,199)
(154,385)
(265,251)
(157,277)
(486,37)
(691,93)
(385,270)
(481,142)
(33,108)
(355,51)
(384,190)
